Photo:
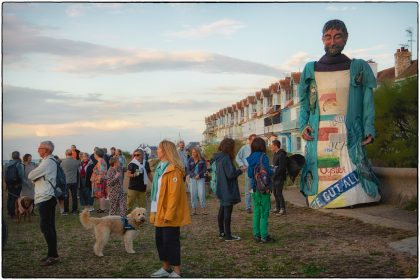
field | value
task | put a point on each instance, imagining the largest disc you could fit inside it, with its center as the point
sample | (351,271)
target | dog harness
(126,224)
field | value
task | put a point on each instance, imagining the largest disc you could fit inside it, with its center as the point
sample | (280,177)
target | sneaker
(49,261)
(281,212)
(232,238)
(174,275)
(221,235)
(249,211)
(91,209)
(160,273)
(275,210)
(75,212)
(194,212)
(100,211)
(267,239)
(257,239)
(64,213)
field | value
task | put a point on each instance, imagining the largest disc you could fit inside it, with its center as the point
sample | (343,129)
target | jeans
(247,188)
(261,213)
(12,196)
(47,224)
(224,219)
(198,190)
(86,198)
(278,194)
(168,244)
(73,191)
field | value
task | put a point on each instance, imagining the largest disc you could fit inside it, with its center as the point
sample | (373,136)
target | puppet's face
(334,41)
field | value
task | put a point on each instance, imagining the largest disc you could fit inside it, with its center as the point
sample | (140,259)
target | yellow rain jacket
(172,205)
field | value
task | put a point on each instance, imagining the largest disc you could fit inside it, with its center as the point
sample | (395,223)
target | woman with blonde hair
(169,208)
(196,169)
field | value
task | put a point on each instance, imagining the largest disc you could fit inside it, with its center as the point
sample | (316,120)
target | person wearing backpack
(260,173)
(14,176)
(227,189)
(44,178)
(279,176)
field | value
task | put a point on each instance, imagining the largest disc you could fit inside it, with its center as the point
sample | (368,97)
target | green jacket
(360,120)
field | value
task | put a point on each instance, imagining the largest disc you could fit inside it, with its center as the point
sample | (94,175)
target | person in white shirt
(44,177)
(243,153)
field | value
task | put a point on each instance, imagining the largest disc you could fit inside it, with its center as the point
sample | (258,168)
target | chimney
(402,61)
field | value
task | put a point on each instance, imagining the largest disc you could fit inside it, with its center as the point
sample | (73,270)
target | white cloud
(296,61)
(16,130)
(225,27)
(341,8)
(88,59)
(76,10)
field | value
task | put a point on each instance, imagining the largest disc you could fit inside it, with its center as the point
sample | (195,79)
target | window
(298,143)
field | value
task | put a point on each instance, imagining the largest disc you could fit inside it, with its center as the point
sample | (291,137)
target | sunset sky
(122,74)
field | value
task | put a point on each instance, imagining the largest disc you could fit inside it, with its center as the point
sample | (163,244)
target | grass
(308,244)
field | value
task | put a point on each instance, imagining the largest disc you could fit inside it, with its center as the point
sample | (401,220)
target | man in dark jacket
(279,176)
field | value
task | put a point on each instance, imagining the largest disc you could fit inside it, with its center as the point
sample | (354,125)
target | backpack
(262,179)
(213,180)
(60,188)
(12,175)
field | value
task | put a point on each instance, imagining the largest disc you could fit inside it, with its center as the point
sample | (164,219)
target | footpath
(381,214)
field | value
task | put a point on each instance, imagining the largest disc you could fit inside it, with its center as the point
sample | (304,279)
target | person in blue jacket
(261,201)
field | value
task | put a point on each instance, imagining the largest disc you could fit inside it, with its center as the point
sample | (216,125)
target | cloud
(296,61)
(363,52)
(76,10)
(16,130)
(340,8)
(88,59)
(225,27)
(64,112)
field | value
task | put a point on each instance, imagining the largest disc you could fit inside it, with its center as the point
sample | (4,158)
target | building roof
(239,105)
(251,99)
(274,88)
(412,70)
(258,95)
(386,75)
(389,73)
(285,84)
(265,92)
(296,77)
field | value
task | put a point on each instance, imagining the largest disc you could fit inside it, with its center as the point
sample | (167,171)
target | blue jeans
(247,188)
(198,190)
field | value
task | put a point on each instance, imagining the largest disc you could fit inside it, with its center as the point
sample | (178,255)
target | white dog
(112,224)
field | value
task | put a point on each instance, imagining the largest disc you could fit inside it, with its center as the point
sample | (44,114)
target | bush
(396,125)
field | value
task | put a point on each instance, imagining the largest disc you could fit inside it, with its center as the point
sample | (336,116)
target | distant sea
(33,160)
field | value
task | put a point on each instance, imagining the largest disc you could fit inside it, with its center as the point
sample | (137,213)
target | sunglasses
(137,155)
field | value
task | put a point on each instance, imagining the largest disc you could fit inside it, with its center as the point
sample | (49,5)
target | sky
(122,74)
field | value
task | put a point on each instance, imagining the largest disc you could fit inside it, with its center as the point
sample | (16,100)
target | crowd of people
(179,172)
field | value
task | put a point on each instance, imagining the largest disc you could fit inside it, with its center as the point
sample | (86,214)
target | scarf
(332,63)
(142,169)
(160,169)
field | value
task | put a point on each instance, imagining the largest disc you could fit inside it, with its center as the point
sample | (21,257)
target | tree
(396,107)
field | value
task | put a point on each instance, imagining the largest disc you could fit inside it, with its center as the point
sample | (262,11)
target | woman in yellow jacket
(169,208)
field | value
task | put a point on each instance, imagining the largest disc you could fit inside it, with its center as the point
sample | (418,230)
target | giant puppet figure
(337,121)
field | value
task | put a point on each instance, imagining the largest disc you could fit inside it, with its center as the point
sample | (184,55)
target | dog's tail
(86,220)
